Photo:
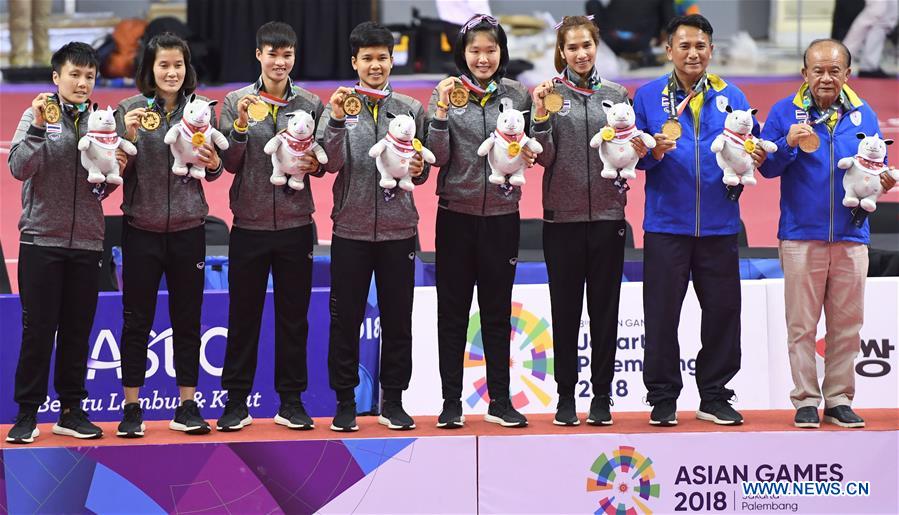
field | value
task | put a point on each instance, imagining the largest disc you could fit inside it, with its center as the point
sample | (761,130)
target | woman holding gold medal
(584,228)
(478,222)
(163,232)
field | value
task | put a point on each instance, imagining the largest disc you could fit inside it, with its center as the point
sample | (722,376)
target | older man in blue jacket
(690,226)
(823,253)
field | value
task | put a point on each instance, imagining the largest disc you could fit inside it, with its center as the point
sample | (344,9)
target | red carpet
(263,430)
(758,203)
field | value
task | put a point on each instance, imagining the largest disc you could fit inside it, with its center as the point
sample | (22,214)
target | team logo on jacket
(351,121)
(801,116)
(856,118)
(201,265)
(566,108)
(721,103)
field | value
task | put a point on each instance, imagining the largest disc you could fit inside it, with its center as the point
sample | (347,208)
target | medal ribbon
(808,102)
(475,88)
(594,83)
(376,94)
(698,88)
(271,99)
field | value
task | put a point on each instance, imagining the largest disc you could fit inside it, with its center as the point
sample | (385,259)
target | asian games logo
(625,481)
(530,363)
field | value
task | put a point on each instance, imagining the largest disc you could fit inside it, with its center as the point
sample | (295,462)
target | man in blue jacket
(690,227)
(823,254)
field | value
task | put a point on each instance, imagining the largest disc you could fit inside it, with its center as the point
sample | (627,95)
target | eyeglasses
(565,18)
(477,19)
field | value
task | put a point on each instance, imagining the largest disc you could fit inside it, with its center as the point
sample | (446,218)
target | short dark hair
(77,53)
(837,42)
(276,34)
(495,32)
(692,20)
(146,80)
(370,34)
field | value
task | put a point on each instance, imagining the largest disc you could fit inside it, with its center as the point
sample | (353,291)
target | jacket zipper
(486,173)
(75,183)
(589,188)
(274,188)
(169,179)
(377,187)
(830,231)
(698,171)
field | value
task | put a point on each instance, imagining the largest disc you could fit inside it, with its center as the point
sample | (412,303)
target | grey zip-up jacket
(59,207)
(573,190)
(154,198)
(462,182)
(257,204)
(360,211)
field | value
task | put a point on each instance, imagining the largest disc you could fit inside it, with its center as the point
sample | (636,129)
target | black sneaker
(843,416)
(807,417)
(25,429)
(345,418)
(74,422)
(188,419)
(600,414)
(293,415)
(235,417)
(664,413)
(395,417)
(132,424)
(719,412)
(566,413)
(503,413)
(451,417)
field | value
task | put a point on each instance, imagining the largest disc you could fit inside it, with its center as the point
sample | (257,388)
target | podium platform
(630,467)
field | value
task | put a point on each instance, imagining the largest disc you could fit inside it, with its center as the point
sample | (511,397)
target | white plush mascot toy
(393,152)
(187,136)
(503,147)
(98,147)
(734,147)
(289,145)
(862,178)
(614,141)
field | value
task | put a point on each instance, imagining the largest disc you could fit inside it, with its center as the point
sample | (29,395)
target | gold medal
(416,144)
(150,120)
(258,111)
(810,143)
(553,102)
(459,96)
(52,113)
(514,149)
(198,139)
(352,105)
(749,145)
(672,129)
(607,133)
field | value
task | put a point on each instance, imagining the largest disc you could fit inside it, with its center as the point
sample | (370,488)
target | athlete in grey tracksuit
(374,232)
(476,242)
(60,248)
(583,239)
(272,231)
(163,233)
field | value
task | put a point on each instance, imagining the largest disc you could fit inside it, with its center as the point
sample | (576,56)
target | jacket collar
(851,97)
(290,91)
